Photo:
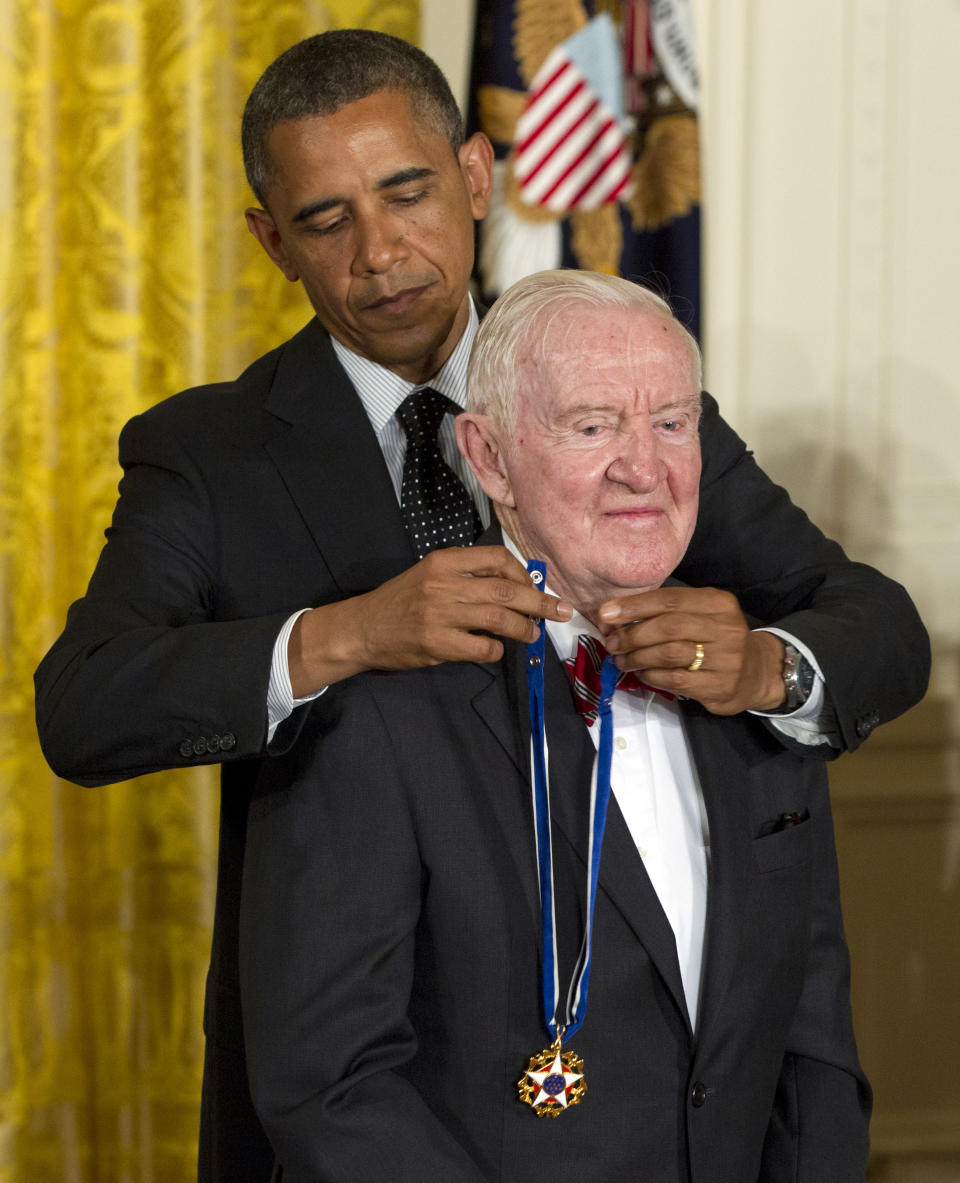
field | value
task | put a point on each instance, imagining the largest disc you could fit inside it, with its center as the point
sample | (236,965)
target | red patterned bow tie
(584,671)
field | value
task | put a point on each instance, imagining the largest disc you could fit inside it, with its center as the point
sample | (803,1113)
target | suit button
(200,746)
(228,741)
(186,749)
(213,744)
(866,724)
(698,1094)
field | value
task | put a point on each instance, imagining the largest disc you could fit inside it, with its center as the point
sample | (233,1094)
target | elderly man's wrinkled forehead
(573,341)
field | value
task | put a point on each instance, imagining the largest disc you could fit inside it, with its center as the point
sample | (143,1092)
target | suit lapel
(622,876)
(502,705)
(331,463)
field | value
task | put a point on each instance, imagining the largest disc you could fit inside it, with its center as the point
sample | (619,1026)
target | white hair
(514,330)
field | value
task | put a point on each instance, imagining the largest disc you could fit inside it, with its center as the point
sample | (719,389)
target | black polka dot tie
(437,509)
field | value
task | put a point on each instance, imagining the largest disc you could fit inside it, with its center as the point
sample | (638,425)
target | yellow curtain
(125,274)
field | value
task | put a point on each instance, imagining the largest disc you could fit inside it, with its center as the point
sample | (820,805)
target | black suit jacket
(390,954)
(243,501)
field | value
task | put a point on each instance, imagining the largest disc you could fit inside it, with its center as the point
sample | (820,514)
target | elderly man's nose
(638,463)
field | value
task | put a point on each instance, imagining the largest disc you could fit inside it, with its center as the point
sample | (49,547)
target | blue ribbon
(576,1003)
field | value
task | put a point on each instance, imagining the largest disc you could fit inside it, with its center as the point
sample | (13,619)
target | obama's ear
(476,165)
(263,228)
(479,440)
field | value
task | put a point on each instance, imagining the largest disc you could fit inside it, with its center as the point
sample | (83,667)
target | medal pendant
(553,1081)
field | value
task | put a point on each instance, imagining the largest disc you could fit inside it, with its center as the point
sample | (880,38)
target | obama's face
(371,209)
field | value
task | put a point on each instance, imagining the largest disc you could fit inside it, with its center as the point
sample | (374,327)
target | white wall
(447,36)
(832,167)
(831,139)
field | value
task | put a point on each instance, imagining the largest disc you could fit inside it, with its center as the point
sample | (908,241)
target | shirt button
(619,743)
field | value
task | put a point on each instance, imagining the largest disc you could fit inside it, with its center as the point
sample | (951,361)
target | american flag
(570,99)
(571,151)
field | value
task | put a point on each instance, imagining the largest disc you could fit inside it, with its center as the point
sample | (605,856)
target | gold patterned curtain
(126,274)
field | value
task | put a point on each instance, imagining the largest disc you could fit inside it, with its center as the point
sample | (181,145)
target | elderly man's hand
(451,606)
(657,633)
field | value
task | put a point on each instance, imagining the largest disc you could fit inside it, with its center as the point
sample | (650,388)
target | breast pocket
(783,846)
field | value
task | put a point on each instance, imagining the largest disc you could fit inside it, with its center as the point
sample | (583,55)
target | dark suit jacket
(390,954)
(243,501)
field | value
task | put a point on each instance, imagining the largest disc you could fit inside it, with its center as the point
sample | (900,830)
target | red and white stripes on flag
(571,152)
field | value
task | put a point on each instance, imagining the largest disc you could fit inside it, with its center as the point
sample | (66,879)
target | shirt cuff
(280,701)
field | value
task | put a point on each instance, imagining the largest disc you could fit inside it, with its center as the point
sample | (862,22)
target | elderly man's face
(603,470)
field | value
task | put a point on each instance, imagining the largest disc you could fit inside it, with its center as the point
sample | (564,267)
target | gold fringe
(597,238)
(499,108)
(539,26)
(666,176)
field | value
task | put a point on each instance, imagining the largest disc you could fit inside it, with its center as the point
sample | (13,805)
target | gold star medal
(553,1081)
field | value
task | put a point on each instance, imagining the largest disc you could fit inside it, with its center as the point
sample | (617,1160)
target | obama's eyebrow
(403,177)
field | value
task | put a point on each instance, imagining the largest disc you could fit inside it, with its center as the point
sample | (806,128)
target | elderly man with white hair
(538,918)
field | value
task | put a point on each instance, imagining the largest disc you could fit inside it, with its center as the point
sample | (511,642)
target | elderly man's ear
(479,440)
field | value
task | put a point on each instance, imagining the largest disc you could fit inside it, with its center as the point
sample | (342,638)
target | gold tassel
(597,238)
(538,27)
(666,176)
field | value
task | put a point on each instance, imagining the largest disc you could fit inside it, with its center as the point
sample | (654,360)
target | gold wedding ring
(698,659)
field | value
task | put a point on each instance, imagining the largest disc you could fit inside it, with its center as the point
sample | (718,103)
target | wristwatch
(798,678)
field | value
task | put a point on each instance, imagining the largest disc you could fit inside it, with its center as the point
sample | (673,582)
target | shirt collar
(381,390)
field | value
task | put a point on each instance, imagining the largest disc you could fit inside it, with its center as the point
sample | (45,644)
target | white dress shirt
(655,782)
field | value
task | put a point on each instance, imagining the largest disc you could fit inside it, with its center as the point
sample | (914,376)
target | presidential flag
(592,109)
